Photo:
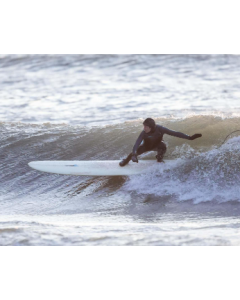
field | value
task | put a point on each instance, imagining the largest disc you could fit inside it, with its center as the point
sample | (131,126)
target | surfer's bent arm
(138,142)
(175,133)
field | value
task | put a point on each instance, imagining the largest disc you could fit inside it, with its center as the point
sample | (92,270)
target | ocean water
(91,107)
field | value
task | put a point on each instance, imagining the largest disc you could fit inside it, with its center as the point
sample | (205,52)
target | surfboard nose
(31,164)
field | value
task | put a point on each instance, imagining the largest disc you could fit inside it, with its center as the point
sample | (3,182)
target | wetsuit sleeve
(175,133)
(138,142)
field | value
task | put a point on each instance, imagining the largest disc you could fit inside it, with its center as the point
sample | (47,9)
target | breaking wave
(201,170)
(213,175)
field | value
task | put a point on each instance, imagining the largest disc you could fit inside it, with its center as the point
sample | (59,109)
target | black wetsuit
(153,142)
(154,138)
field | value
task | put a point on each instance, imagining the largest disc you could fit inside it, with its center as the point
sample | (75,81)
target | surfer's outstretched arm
(180,134)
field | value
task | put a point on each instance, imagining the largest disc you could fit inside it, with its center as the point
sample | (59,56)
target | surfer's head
(149,125)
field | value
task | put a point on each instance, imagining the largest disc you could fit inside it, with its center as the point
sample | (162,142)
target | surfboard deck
(93,168)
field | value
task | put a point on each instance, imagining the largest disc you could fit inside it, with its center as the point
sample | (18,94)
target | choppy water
(91,107)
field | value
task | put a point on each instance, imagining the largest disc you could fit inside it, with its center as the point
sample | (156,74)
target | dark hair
(150,123)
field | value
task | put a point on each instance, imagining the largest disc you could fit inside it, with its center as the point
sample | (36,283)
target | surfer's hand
(195,136)
(134,158)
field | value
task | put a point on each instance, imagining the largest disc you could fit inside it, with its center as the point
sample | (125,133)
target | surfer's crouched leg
(161,150)
(141,149)
(125,161)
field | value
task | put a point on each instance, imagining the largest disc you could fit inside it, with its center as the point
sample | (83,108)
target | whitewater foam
(210,176)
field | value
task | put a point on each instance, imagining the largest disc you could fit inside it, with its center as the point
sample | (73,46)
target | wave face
(201,171)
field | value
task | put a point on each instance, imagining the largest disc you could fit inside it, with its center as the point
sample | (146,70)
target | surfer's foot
(123,163)
(159,158)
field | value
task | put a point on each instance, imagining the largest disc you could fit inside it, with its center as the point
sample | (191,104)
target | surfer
(152,136)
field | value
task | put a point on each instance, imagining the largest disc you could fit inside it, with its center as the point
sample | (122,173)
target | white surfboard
(93,168)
